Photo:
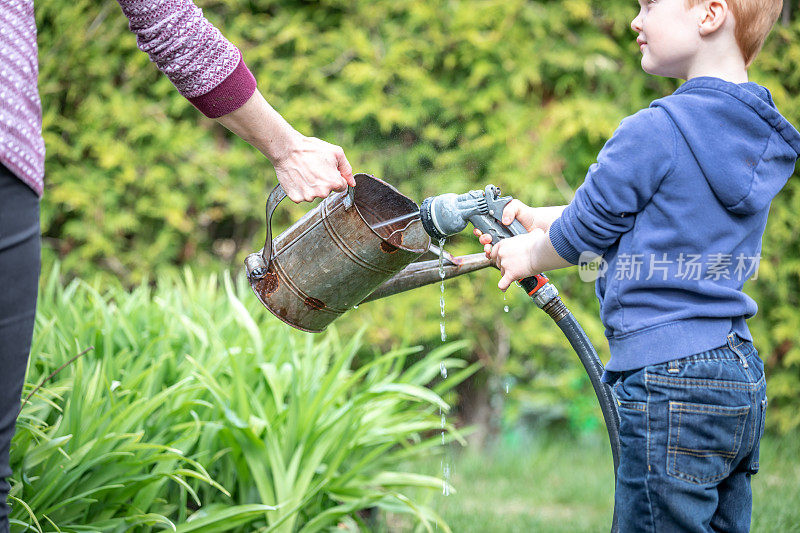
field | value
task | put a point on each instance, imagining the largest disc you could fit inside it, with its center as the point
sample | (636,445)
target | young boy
(676,205)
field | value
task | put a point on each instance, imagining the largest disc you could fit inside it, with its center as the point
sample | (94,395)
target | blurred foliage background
(432,97)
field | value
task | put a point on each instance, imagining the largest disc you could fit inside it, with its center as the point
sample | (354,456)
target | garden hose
(545,295)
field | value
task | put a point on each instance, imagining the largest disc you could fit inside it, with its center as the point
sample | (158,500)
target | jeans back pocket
(703,440)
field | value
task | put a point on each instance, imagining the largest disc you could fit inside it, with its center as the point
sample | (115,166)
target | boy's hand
(524,255)
(515,256)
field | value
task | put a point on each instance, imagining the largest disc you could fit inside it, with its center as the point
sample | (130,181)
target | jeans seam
(695,383)
(685,407)
(647,474)
(753,428)
(754,465)
(633,406)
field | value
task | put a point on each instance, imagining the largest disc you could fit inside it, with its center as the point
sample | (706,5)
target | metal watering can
(354,246)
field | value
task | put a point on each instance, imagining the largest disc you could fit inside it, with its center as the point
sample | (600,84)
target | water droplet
(506,387)
(443,370)
(505,308)
(355,307)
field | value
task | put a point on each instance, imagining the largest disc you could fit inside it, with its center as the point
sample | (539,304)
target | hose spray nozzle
(448,214)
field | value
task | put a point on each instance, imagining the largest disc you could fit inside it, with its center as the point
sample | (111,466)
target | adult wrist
(281,148)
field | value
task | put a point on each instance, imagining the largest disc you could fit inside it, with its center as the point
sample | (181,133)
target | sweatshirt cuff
(229,95)
(561,244)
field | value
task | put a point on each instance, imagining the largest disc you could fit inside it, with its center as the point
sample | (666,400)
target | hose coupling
(556,309)
(545,294)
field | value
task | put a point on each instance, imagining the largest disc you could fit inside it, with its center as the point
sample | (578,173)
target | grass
(566,485)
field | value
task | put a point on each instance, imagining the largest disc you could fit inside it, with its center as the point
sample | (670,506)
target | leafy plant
(198,411)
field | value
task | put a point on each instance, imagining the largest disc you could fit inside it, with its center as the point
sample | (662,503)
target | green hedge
(431,96)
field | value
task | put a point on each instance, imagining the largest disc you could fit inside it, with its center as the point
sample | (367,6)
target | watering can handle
(273,200)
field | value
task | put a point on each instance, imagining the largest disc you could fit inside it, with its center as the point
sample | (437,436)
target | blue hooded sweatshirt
(676,205)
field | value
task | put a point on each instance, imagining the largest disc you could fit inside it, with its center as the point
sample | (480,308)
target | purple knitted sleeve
(204,66)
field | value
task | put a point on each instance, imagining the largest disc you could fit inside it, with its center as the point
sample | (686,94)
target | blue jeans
(690,432)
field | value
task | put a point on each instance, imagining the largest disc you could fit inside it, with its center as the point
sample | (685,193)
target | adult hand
(312,168)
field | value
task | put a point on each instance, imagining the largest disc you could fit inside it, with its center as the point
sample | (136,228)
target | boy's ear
(713,16)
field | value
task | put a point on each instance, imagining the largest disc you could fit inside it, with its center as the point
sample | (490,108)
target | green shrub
(430,96)
(198,410)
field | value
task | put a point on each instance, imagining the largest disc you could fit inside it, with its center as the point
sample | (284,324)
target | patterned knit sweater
(206,68)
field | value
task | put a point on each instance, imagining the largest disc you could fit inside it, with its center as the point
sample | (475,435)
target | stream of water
(441,296)
(409,219)
(443,370)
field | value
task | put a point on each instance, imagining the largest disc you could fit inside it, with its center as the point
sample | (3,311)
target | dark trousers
(19,281)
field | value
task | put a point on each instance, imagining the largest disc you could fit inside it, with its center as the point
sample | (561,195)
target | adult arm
(210,72)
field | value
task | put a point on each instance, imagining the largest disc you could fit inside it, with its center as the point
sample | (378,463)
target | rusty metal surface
(332,259)
(427,272)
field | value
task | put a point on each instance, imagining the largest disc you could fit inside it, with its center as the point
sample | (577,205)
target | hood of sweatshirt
(744,147)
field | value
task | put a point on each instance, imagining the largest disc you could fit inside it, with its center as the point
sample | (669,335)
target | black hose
(594,367)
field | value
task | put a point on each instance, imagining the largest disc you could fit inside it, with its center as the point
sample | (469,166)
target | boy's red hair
(754,20)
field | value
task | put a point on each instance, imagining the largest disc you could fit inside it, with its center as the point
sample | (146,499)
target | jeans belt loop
(673,367)
(742,358)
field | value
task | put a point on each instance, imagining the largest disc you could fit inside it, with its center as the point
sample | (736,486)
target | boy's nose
(636,24)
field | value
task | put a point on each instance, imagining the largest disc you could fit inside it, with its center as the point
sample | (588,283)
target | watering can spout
(424,273)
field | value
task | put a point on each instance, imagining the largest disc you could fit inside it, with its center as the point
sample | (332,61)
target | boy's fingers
(510,211)
(477,232)
(504,282)
(485,239)
(495,249)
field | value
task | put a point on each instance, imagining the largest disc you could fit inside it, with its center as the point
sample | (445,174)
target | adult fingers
(295,191)
(340,184)
(495,250)
(343,165)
